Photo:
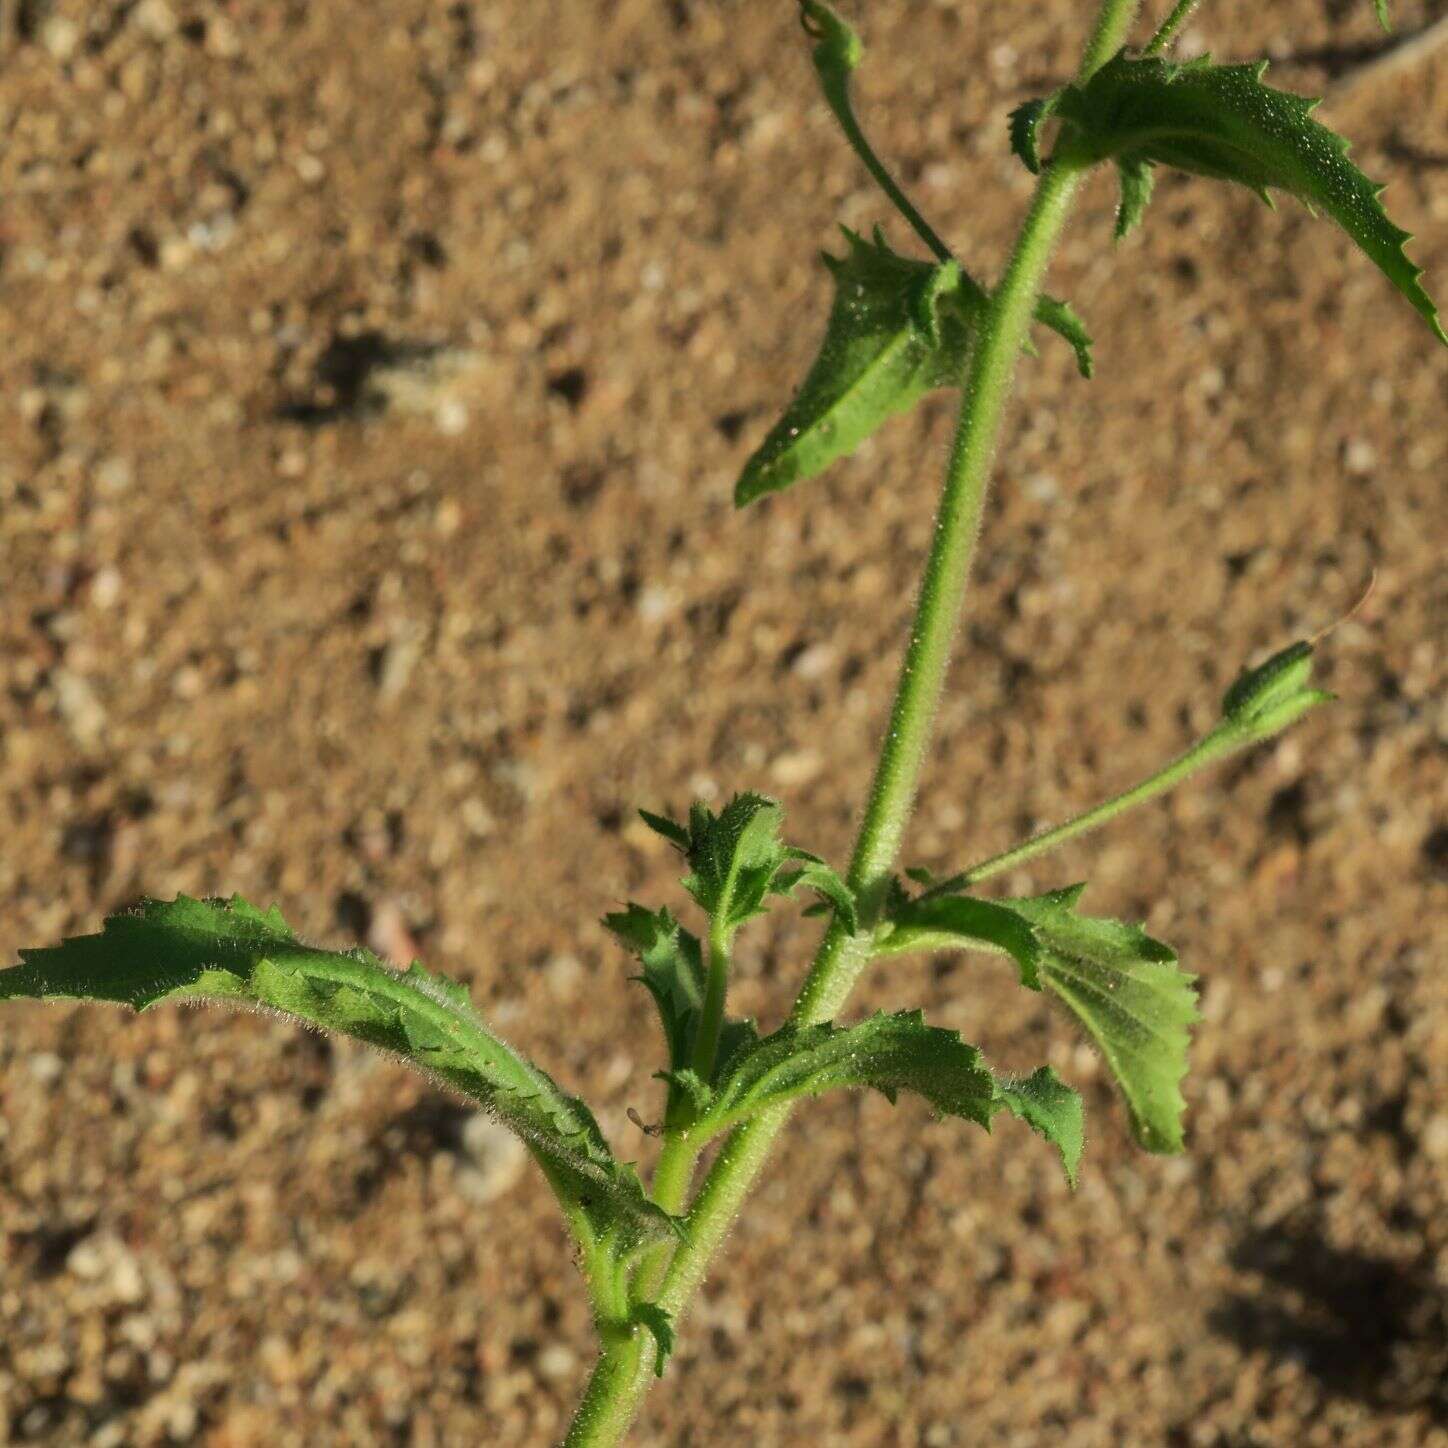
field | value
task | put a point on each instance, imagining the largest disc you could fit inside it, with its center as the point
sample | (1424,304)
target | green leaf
(1062,319)
(673,973)
(1221,121)
(660,1325)
(734,856)
(1136,186)
(890,1053)
(1134,1000)
(814,874)
(670,829)
(898,329)
(234,954)
(1025,124)
(961,922)
(1049,1106)
(1385,19)
(1265,700)
(737,859)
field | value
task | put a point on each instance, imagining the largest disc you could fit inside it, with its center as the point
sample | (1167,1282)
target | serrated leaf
(898,328)
(670,829)
(734,856)
(660,1325)
(889,1054)
(961,922)
(1222,121)
(814,874)
(1026,122)
(1132,997)
(1136,186)
(234,954)
(1049,1106)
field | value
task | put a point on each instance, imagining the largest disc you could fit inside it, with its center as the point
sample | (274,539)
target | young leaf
(1026,122)
(1050,1107)
(889,1053)
(961,922)
(1063,320)
(669,829)
(734,857)
(673,973)
(1265,700)
(1136,185)
(231,953)
(1221,121)
(1133,999)
(813,874)
(660,1325)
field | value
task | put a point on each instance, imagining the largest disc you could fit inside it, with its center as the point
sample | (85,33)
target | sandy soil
(374,380)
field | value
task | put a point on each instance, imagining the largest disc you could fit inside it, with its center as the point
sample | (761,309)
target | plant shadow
(1365,1327)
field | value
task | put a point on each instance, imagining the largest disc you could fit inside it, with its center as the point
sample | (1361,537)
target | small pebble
(61,37)
(557,1361)
(797,767)
(1435,1138)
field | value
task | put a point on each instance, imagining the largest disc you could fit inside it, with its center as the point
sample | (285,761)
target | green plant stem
(1170,26)
(623,1372)
(711,1018)
(1216,745)
(1113,25)
(836,89)
(942,591)
(673,1175)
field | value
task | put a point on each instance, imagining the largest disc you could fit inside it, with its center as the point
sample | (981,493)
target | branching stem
(1221,742)
(623,1372)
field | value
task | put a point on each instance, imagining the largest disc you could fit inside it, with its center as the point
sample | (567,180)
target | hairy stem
(711,1019)
(622,1375)
(836,88)
(942,590)
(673,1175)
(1170,26)
(1217,745)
